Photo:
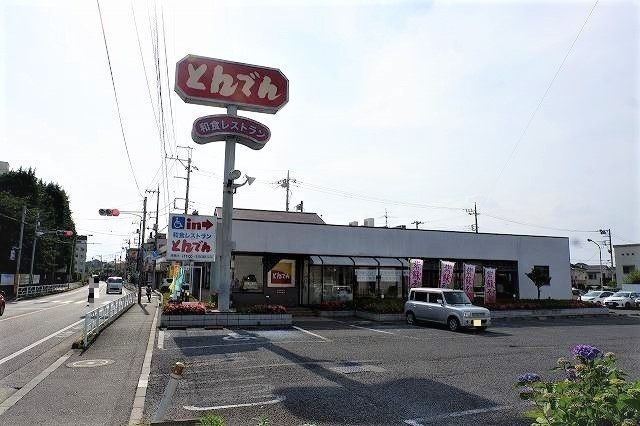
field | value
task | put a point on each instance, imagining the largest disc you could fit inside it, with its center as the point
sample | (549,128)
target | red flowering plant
(186,308)
(335,305)
(533,304)
(265,309)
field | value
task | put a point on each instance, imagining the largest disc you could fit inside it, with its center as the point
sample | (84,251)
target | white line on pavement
(30,313)
(313,334)
(222,407)
(137,411)
(161,339)
(372,329)
(11,401)
(418,422)
(33,345)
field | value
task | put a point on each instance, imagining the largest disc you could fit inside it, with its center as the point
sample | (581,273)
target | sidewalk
(102,391)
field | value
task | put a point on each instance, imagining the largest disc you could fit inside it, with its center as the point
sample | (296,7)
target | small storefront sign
(393,275)
(446,274)
(490,285)
(283,274)
(415,274)
(213,128)
(191,238)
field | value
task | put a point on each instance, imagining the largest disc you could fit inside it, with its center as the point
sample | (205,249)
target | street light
(599,251)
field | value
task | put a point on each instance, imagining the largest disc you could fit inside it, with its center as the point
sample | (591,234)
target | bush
(632,277)
(593,392)
(380,306)
(533,304)
(335,305)
(187,308)
(264,309)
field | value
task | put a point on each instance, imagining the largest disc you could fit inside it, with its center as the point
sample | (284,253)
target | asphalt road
(351,372)
(36,332)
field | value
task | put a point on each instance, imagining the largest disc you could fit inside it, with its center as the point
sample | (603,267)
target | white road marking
(372,329)
(222,407)
(11,401)
(30,313)
(137,410)
(161,339)
(79,302)
(313,334)
(418,422)
(33,345)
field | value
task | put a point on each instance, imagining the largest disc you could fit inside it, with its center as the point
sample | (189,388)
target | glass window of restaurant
(390,273)
(248,274)
(366,271)
(338,283)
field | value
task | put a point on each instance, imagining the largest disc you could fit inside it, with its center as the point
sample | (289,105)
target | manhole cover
(349,369)
(89,363)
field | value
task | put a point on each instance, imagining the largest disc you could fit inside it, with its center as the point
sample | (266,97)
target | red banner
(469,279)
(446,274)
(489,285)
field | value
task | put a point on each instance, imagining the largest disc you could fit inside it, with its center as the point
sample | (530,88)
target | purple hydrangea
(528,378)
(586,352)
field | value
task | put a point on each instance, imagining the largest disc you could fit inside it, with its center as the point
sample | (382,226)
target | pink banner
(489,285)
(469,279)
(415,272)
(446,274)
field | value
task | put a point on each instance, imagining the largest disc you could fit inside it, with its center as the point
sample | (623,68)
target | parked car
(114,285)
(2,303)
(445,306)
(621,299)
(576,293)
(595,296)
(638,302)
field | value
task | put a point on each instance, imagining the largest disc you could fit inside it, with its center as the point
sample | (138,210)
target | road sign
(220,83)
(214,128)
(191,238)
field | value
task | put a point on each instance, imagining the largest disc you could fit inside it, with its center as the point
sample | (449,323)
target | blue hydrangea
(586,352)
(528,378)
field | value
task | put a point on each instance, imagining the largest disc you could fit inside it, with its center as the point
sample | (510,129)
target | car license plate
(477,323)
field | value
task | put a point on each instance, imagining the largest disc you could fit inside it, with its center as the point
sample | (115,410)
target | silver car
(445,306)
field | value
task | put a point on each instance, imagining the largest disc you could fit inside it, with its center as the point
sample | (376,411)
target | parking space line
(312,334)
(180,348)
(418,422)
(373,329)
(13,399)
(222,407)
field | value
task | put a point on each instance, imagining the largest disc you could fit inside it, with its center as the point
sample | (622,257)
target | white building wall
(294,238)
(626,254)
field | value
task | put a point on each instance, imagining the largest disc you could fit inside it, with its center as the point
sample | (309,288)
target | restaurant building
(296,259)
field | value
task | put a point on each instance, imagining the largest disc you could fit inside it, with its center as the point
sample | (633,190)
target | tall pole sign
(234,86)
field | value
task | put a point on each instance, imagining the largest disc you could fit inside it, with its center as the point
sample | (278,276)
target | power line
(539,105)
(539,226)
(115,94)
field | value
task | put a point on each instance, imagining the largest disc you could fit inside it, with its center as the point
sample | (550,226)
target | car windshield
(115,280)
(621,294)
(456,298)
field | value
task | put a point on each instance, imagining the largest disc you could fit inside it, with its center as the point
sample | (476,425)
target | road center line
(33,345)
(312,334)
(11,401)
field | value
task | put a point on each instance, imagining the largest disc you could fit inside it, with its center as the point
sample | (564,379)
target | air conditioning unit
(369,222)
(354,223)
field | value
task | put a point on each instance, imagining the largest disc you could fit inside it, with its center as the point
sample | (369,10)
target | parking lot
(350,372)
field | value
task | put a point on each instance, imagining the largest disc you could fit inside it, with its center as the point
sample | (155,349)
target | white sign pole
(227,213)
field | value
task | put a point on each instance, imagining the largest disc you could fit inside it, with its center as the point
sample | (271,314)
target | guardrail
(99,318)
(37,290)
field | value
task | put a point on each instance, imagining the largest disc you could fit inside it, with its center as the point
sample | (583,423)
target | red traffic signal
(109,212)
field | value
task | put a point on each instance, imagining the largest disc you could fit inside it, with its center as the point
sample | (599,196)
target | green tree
(632,277)
(539,278)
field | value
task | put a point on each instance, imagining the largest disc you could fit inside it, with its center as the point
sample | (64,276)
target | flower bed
(334,305)
(264,309)
(593,392)
(185,308)
(380,306)
(534,304)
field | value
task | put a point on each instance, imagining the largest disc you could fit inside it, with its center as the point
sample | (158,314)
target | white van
(114,285)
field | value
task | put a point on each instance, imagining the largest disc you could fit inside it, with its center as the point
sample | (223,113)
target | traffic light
(65,233)
(109,212)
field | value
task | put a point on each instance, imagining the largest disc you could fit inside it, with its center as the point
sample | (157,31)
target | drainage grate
(349,369)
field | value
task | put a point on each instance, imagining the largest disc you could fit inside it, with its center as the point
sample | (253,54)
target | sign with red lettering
(220,83)
(191,238)
(283,274)
(213,128)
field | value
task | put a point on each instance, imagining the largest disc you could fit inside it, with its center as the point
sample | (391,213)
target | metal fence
(99,318)
(39,290)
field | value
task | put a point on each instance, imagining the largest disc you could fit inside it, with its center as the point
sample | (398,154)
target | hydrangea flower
(528,378)
(586,352)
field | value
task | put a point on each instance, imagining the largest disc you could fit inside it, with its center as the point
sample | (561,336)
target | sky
(413,109)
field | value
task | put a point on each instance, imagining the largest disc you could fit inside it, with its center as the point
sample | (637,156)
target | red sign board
(215,82)
(214,128)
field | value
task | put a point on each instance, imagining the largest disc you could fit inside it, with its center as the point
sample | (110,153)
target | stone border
(335,314)
(380,317)
(224,319)
(549,313)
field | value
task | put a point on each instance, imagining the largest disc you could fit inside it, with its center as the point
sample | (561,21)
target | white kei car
(595,296)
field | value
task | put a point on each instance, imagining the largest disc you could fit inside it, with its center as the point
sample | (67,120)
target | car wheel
(453,324)
(599,303)
(627,305)
(483,328)
(411,319)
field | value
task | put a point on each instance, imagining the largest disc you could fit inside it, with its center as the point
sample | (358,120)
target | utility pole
(474,212)
(16,281)
(286,183)
(188,167)
(608,232)
(155,238)
(386,218)
(417,223)
(141,251)
(33,248)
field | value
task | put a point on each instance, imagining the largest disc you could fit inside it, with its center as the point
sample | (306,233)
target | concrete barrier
(548,313)
(224,319)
